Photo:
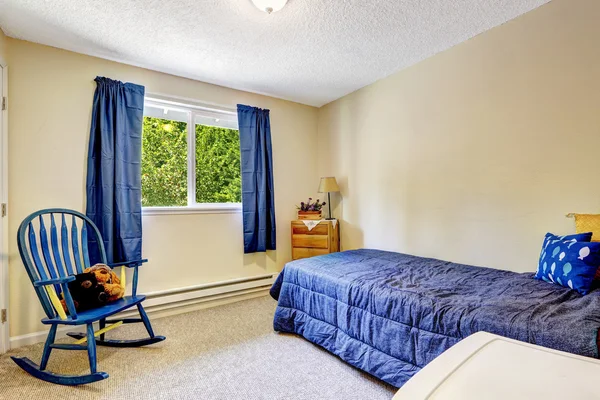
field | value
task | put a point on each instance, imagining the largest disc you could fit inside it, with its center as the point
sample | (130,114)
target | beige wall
(51,97)
(472,155)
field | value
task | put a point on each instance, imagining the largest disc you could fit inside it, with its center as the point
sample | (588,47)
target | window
(190,158)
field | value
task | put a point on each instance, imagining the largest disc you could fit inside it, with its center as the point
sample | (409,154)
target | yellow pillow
(588,223)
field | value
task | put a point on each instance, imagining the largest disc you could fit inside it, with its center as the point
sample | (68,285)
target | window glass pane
(218,177)
(164,157)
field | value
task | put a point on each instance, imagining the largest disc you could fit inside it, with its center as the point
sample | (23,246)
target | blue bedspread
(390,314)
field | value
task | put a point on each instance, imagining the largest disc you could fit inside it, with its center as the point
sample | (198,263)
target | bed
(390,314)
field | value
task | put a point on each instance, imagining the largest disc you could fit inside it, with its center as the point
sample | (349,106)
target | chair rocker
(61,258)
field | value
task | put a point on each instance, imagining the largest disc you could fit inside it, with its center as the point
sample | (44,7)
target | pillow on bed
(551,238)
(588,222)
(570,261)
(579,237)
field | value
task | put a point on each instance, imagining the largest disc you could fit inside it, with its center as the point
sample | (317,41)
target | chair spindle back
(61,255)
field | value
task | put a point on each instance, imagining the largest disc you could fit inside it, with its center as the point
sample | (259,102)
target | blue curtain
(258,196)
(114,195)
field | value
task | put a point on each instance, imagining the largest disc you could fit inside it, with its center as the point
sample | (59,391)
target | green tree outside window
(164,164)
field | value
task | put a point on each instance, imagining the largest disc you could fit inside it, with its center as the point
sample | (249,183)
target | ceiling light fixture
(269,6)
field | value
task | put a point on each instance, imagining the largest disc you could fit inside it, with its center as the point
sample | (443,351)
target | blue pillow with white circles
(570,261)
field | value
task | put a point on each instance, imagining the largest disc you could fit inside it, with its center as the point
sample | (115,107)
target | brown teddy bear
(107,278)
(85,292)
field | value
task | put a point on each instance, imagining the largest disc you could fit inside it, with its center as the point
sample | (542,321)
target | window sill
(233,208)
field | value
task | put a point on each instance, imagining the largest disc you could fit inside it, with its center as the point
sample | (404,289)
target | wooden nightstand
(322,239)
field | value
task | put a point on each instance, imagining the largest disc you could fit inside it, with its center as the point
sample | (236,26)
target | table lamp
(327,185)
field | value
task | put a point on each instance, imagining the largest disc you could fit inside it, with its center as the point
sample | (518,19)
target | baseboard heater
(168,301)
(164,299)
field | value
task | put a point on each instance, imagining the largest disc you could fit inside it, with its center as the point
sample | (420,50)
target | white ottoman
(490,367)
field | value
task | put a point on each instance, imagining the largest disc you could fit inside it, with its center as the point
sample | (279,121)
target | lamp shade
(328,184)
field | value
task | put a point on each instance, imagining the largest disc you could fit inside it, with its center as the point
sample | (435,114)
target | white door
(4,338)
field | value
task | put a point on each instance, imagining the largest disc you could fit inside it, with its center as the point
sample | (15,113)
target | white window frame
(193,109)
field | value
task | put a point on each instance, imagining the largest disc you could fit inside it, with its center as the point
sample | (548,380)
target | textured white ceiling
(311,52)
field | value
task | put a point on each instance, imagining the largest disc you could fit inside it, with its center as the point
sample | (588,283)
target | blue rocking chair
(50,278)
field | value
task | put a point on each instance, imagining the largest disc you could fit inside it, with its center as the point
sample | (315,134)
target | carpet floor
(226,352)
